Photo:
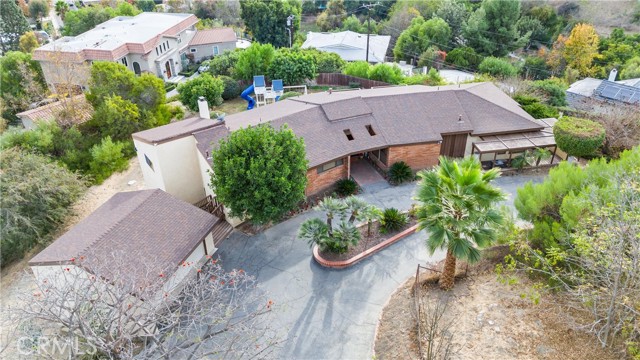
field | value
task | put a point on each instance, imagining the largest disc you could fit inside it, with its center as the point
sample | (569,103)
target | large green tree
(12,25)
(420,36)
(266,20)
(454,13)
(491,30)
(293,66)
(260,172)
(86,18)
(333,17)
(254,60)
(457,209)
(22,83)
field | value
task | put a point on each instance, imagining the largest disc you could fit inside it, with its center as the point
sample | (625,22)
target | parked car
(204,67)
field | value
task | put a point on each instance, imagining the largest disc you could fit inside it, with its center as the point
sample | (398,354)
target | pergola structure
(510,144)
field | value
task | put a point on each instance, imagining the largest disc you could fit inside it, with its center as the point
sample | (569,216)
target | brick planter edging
(341,264)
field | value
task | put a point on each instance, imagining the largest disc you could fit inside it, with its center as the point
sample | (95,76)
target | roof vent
(370,130)
(347,132)
(460,121)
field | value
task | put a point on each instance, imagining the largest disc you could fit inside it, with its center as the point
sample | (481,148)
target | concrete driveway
(332,314)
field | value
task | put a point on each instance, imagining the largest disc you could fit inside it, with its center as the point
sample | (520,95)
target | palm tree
(332,207)
(457,210)
(61,8)
(370,214)
(315,231)
(355,205)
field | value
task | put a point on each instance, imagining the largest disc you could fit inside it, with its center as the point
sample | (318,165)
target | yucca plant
(400,172)
(392,220)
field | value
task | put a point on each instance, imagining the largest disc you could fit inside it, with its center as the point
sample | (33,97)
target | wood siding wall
(453,145)
(319,182)
(344,80)
(418,157)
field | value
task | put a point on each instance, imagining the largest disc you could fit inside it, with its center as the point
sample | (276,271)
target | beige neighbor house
(209,43)
(414,124)
(147,226)
(157,43)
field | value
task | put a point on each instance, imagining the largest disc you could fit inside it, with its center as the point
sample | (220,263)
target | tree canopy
(254,60)
(12,25)
(86,18)
(260,173)
(266,20)
(22,83)
(491,30)
(420,36)
(292,66)
(211,88)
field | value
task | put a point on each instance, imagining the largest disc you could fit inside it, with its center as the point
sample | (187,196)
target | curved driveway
(332,314)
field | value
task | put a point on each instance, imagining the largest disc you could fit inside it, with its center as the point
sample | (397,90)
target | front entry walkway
(364,173)
(332,314)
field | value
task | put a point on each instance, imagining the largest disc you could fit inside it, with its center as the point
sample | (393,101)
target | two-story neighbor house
(149,42)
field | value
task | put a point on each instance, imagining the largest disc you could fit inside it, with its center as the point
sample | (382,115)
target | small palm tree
(457,208)
(315,231)
(332,207)
(541,154)
(61,8)
(355,206)
(370,214)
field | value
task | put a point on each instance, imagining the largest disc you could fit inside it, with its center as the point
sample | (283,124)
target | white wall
(152,177)
(205,172)
(193,262)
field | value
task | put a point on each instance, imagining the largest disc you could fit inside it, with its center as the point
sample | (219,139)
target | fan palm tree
(457,209)
(355,206)
(315,231)
(332,207)
(370,214)
(61,8)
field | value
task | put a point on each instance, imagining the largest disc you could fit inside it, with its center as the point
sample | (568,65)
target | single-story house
(209,43)
(585,94)
(415,124)
(68,111)
(351,46)
(150,230)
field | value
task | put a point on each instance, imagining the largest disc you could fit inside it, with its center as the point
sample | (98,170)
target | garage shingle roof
(146,224)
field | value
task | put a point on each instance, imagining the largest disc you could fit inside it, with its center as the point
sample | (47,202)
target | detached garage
(148,226)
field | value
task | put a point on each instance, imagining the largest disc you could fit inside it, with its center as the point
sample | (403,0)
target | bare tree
(621,123)
(108,308)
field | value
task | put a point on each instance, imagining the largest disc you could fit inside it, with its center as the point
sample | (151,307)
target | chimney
(613,74)
(203,108)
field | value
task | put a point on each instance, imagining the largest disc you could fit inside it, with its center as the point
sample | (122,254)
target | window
(157,52)
(148,161)
(215,50)
(330,165)
(382,155)
(193,50)
(370,130)
(347,132)
(124,61)
(168,45)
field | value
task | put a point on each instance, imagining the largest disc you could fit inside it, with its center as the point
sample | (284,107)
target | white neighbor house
(351,46)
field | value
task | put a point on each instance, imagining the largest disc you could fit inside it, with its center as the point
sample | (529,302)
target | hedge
(578,137)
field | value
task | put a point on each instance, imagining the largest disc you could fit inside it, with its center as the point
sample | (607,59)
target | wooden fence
(347,80)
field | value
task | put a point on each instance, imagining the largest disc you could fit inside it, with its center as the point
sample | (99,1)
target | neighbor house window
(215,50)
(124,61)
(148,161)
(330,165)
(193,50)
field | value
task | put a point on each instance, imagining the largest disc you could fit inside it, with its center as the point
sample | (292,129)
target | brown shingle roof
(213,36)
(80,111)
(146,224)
(398,115)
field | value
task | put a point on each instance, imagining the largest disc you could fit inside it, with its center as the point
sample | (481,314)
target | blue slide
(245,95)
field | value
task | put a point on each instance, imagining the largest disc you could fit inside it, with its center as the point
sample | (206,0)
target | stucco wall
(319,182)
(206,51)
(152,176)
(418,157)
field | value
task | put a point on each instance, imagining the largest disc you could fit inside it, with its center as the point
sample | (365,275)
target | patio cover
(516,142)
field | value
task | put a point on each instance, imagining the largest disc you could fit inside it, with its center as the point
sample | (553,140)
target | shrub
(169,86)
(176,112)
(107,158)
(535,68)
(390,74)
(328,62)
(358,69)
(232,88)
(346,187)
(400,172)
(224,64)
(463,57)
(541,111)
(553,90)
(526,99)
(392,220)
(578,137)
(289,94)
(204,85)
(497,67)
(292,66)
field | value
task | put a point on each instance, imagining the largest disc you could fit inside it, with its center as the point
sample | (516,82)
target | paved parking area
(332,314)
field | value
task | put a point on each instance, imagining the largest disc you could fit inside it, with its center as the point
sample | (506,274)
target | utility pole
(368,7)
(289,26)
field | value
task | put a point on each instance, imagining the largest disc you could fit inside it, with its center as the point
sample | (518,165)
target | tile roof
(397,115)
(80,111)
(140,225)
(213,36)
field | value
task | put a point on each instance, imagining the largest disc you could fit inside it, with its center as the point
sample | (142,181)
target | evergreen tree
(12,25)
(491,30)
(267,20)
